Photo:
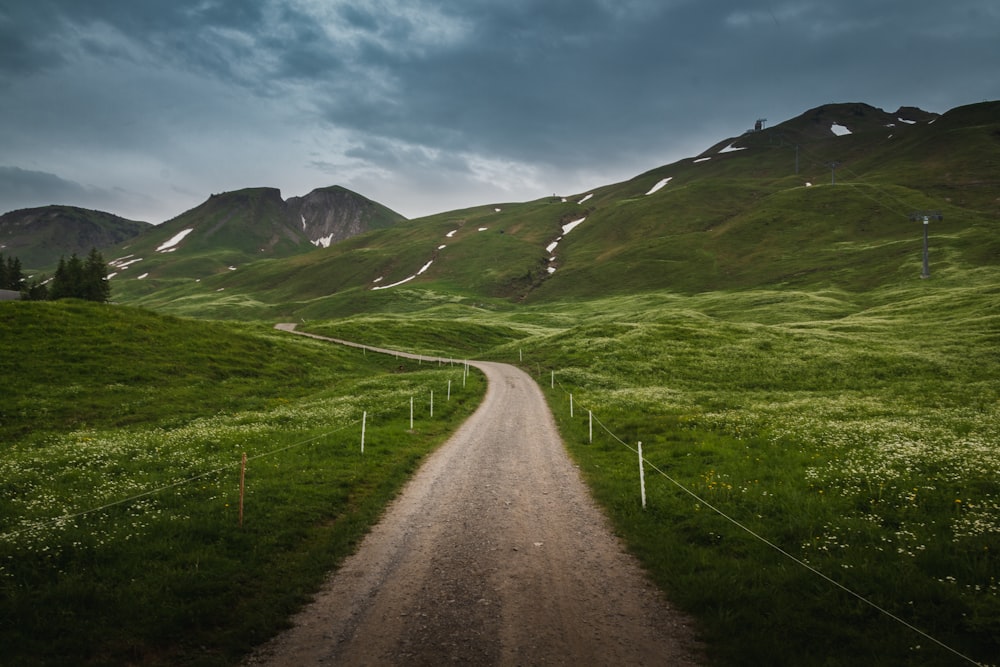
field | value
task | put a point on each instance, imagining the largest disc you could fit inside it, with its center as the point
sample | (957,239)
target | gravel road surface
(493,554)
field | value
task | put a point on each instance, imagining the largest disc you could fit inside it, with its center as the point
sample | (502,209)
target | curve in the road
(493,553)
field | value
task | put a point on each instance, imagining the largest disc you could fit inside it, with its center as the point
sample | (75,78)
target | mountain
(232,229)
(820,200)
(329,215)
(40,236)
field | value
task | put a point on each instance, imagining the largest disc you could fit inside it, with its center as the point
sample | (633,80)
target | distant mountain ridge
(241,225)
(231,229)
(40,236)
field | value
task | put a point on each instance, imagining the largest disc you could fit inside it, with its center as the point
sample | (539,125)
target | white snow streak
(702,159)
(659,185)
(586,198)
(839,130)
(124,265)
(142,276)
(730,148)
(404,280)
(177,238)
(323,241)
(570,226)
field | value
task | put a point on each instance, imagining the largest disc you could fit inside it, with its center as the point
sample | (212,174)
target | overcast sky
(143,108)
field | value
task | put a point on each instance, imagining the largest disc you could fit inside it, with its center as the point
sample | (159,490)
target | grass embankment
(860,435)
(122,437)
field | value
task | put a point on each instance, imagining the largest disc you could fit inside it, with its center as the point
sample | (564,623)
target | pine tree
(94,284)
(78,279)
(35,290)
(15,274)
(59,288)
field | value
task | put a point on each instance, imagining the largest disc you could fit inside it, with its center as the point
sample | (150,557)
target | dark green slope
(40,236)
(727,219)
(233,229)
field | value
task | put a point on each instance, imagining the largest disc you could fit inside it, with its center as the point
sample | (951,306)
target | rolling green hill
(233,229)
(40,236)
(736,217)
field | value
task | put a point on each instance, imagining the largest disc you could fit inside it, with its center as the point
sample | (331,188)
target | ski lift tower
(926,217)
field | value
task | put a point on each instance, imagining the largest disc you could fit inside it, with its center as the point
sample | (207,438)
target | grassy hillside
(40,236)
(734,219)
(122,433)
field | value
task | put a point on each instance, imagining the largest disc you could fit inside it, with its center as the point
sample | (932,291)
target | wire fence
(754,534)
(64,519)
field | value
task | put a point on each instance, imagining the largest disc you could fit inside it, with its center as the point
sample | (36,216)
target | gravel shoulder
(493,553)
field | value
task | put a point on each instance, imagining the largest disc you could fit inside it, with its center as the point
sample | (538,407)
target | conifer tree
(94,283)
(15,274)
(79,279)
(59,288)
(11,274)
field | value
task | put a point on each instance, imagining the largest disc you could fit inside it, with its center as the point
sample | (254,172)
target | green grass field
(855,431)
(123,434)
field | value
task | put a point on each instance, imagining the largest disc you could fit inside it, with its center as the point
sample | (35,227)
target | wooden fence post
(364,422)
(243,477)
(642,478)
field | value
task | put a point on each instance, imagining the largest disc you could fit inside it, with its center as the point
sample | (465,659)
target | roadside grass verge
(861,435)
(120,540)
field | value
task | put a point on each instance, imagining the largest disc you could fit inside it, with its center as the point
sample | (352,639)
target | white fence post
(449,390)
(571,405)
(552,384)
(432,402)
(411,413)
(364,422)
(642,478)
(590,425)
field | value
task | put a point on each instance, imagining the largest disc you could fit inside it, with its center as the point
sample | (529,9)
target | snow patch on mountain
(169,245)
(323,241)
(659,185)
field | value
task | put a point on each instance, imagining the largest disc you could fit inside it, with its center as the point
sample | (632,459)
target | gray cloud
(23,188)
(497,98)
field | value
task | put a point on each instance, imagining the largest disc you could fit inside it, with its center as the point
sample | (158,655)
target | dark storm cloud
(409,94)
(24,188)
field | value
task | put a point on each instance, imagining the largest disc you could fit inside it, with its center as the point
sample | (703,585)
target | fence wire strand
(769,543)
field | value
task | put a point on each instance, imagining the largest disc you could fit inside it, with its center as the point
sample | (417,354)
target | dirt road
(492,554)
